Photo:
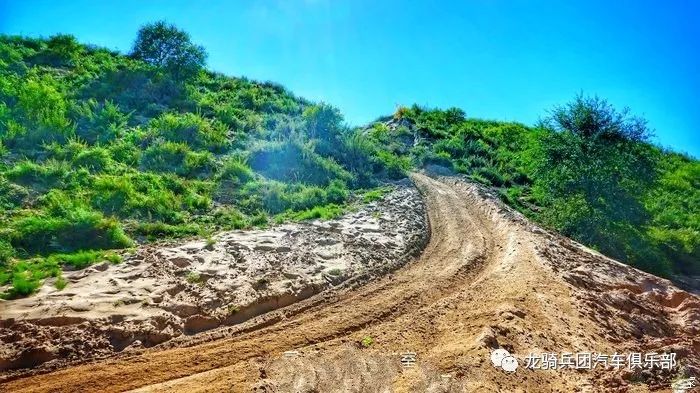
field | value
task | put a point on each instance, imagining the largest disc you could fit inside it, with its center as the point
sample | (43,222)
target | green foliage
(71,229)
(99,122)
(6,252)
(193,278)
(178,158)
(586,171)
(60,283)
(82,259)
(96,159)
(167,47)
(592,171)
(191,129)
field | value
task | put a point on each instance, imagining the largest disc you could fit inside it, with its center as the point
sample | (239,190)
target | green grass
(375,195)
(325,212)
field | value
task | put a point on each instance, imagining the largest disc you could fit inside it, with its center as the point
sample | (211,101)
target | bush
(76,229)
(96,159)
(191,129)
(177,158)
(11,195)
(6,252)
(236,169)
(99,122)
(23,285)
(42,176)
(38,116)
(394,166)
(125,152)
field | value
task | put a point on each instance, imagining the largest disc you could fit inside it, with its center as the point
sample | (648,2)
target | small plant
(193,278)
(367,341)
(335,272)
(60,283)
(210,242)
(232,309)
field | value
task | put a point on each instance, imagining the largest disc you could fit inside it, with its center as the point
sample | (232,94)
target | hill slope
(487,279)
(100,151)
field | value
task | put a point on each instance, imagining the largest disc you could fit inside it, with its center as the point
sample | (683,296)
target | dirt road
(486,279)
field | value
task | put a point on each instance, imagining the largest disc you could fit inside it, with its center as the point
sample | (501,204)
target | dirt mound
(160,293)
(487,279)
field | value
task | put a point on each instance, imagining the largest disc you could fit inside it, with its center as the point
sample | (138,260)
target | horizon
(495,59)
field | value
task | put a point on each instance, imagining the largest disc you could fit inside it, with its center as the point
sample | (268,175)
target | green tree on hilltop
(165,46)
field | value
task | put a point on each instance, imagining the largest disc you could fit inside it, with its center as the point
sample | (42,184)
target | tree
(167,47)
(594,169)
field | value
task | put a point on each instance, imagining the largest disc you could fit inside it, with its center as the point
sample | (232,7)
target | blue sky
(509,60)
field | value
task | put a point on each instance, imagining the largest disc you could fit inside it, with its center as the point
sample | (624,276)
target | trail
(487,278)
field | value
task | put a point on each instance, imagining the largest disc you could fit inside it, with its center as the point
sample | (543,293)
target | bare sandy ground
(487,279)
(164,292)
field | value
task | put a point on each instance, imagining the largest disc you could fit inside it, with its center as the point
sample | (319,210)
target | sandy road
(478,284)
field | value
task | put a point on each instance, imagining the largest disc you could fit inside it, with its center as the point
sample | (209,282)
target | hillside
(102,151)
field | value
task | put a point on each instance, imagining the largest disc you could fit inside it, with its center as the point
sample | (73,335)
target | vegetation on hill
(587,171)
(100,151)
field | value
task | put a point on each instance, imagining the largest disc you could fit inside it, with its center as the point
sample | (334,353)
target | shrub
(201,164)
(60,283)
(395,166)
(76,229)
(96,159)
(337,192)
(191,129)
(6,252)
(236,169)
(177,158)
(11,195)
(42,176)
(124,152)
(193,278)
(99,122)
(23,285)
(229,218)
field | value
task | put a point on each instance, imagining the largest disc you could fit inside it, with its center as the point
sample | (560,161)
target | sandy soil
(486,279)
(165,292)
